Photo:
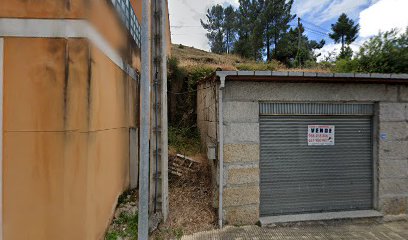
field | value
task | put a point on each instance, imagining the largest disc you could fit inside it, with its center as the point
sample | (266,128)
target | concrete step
(265,221)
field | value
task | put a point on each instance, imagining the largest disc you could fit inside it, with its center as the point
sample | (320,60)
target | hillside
(188,65)
(190,58)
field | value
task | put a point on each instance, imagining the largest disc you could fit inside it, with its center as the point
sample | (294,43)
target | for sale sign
(320,135)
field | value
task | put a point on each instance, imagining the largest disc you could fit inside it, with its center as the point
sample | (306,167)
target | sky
(316,15)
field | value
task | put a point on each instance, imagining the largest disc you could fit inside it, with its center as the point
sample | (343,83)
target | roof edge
(315,74)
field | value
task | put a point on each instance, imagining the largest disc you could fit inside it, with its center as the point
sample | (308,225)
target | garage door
(315,157)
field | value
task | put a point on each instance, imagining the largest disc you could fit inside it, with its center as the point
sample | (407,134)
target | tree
(344,31)
(229,26)
(214,26)
(289,48)
(275,21)
(385,53)
(249,44)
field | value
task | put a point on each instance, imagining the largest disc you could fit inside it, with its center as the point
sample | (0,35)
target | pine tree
(275,20)
(229,26)
(249,43)
(287,49)
(214,26)
(345,31)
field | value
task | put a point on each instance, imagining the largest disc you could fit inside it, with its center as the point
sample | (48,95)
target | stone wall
(393,158)
(207,113)
(207,122)
(241,139)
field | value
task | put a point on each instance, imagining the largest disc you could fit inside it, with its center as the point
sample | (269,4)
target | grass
(126,227)
(112,235)
(178,233)
(184,140)
(191,58)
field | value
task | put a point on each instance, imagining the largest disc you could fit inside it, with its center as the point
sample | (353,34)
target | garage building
(295,146)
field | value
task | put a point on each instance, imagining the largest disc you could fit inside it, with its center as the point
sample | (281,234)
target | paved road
(318,231)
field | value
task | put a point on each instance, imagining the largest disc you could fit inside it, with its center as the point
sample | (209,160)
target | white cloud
(332,47)
(321,11)
(186,15)
(378,15)
(337,7)
(383,16)
(305,7)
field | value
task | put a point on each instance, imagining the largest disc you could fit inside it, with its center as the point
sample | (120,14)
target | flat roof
(288,76)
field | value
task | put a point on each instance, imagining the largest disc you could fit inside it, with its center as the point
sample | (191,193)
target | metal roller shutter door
(297,178)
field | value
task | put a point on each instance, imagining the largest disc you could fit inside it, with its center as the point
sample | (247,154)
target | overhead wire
(318,32)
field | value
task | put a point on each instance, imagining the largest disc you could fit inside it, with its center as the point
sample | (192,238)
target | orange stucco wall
(67,113)
(55,8)
(99,12)
(43,8)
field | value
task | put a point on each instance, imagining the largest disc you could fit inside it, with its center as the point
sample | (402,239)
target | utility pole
(143,221)
(299,35)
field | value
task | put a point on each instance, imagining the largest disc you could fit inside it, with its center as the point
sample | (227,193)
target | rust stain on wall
(66,140)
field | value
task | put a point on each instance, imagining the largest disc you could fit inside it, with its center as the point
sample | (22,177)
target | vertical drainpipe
(1,135)
(221,146)
(143,221)
(164,122)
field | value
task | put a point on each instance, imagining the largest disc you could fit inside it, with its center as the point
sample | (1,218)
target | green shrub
(184,140)
(347,66)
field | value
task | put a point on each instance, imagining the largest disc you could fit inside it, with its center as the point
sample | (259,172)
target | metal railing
(128,16)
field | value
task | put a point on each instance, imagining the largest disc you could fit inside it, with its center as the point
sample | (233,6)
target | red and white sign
(320,135)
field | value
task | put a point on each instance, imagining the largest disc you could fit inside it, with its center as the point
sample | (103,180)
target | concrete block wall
(241,162)
(393,158)
(241,140)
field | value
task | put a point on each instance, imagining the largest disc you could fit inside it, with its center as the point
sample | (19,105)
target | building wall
(241,139)
(393,156)
(67,114)
(68,110)
(99,13)
(207,113)
(43,9)
(207,123)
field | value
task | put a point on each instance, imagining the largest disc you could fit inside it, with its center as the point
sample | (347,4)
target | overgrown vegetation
(190,203)
(385,53)
(124,224)
(186,67)
(129,230)
(184,140)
